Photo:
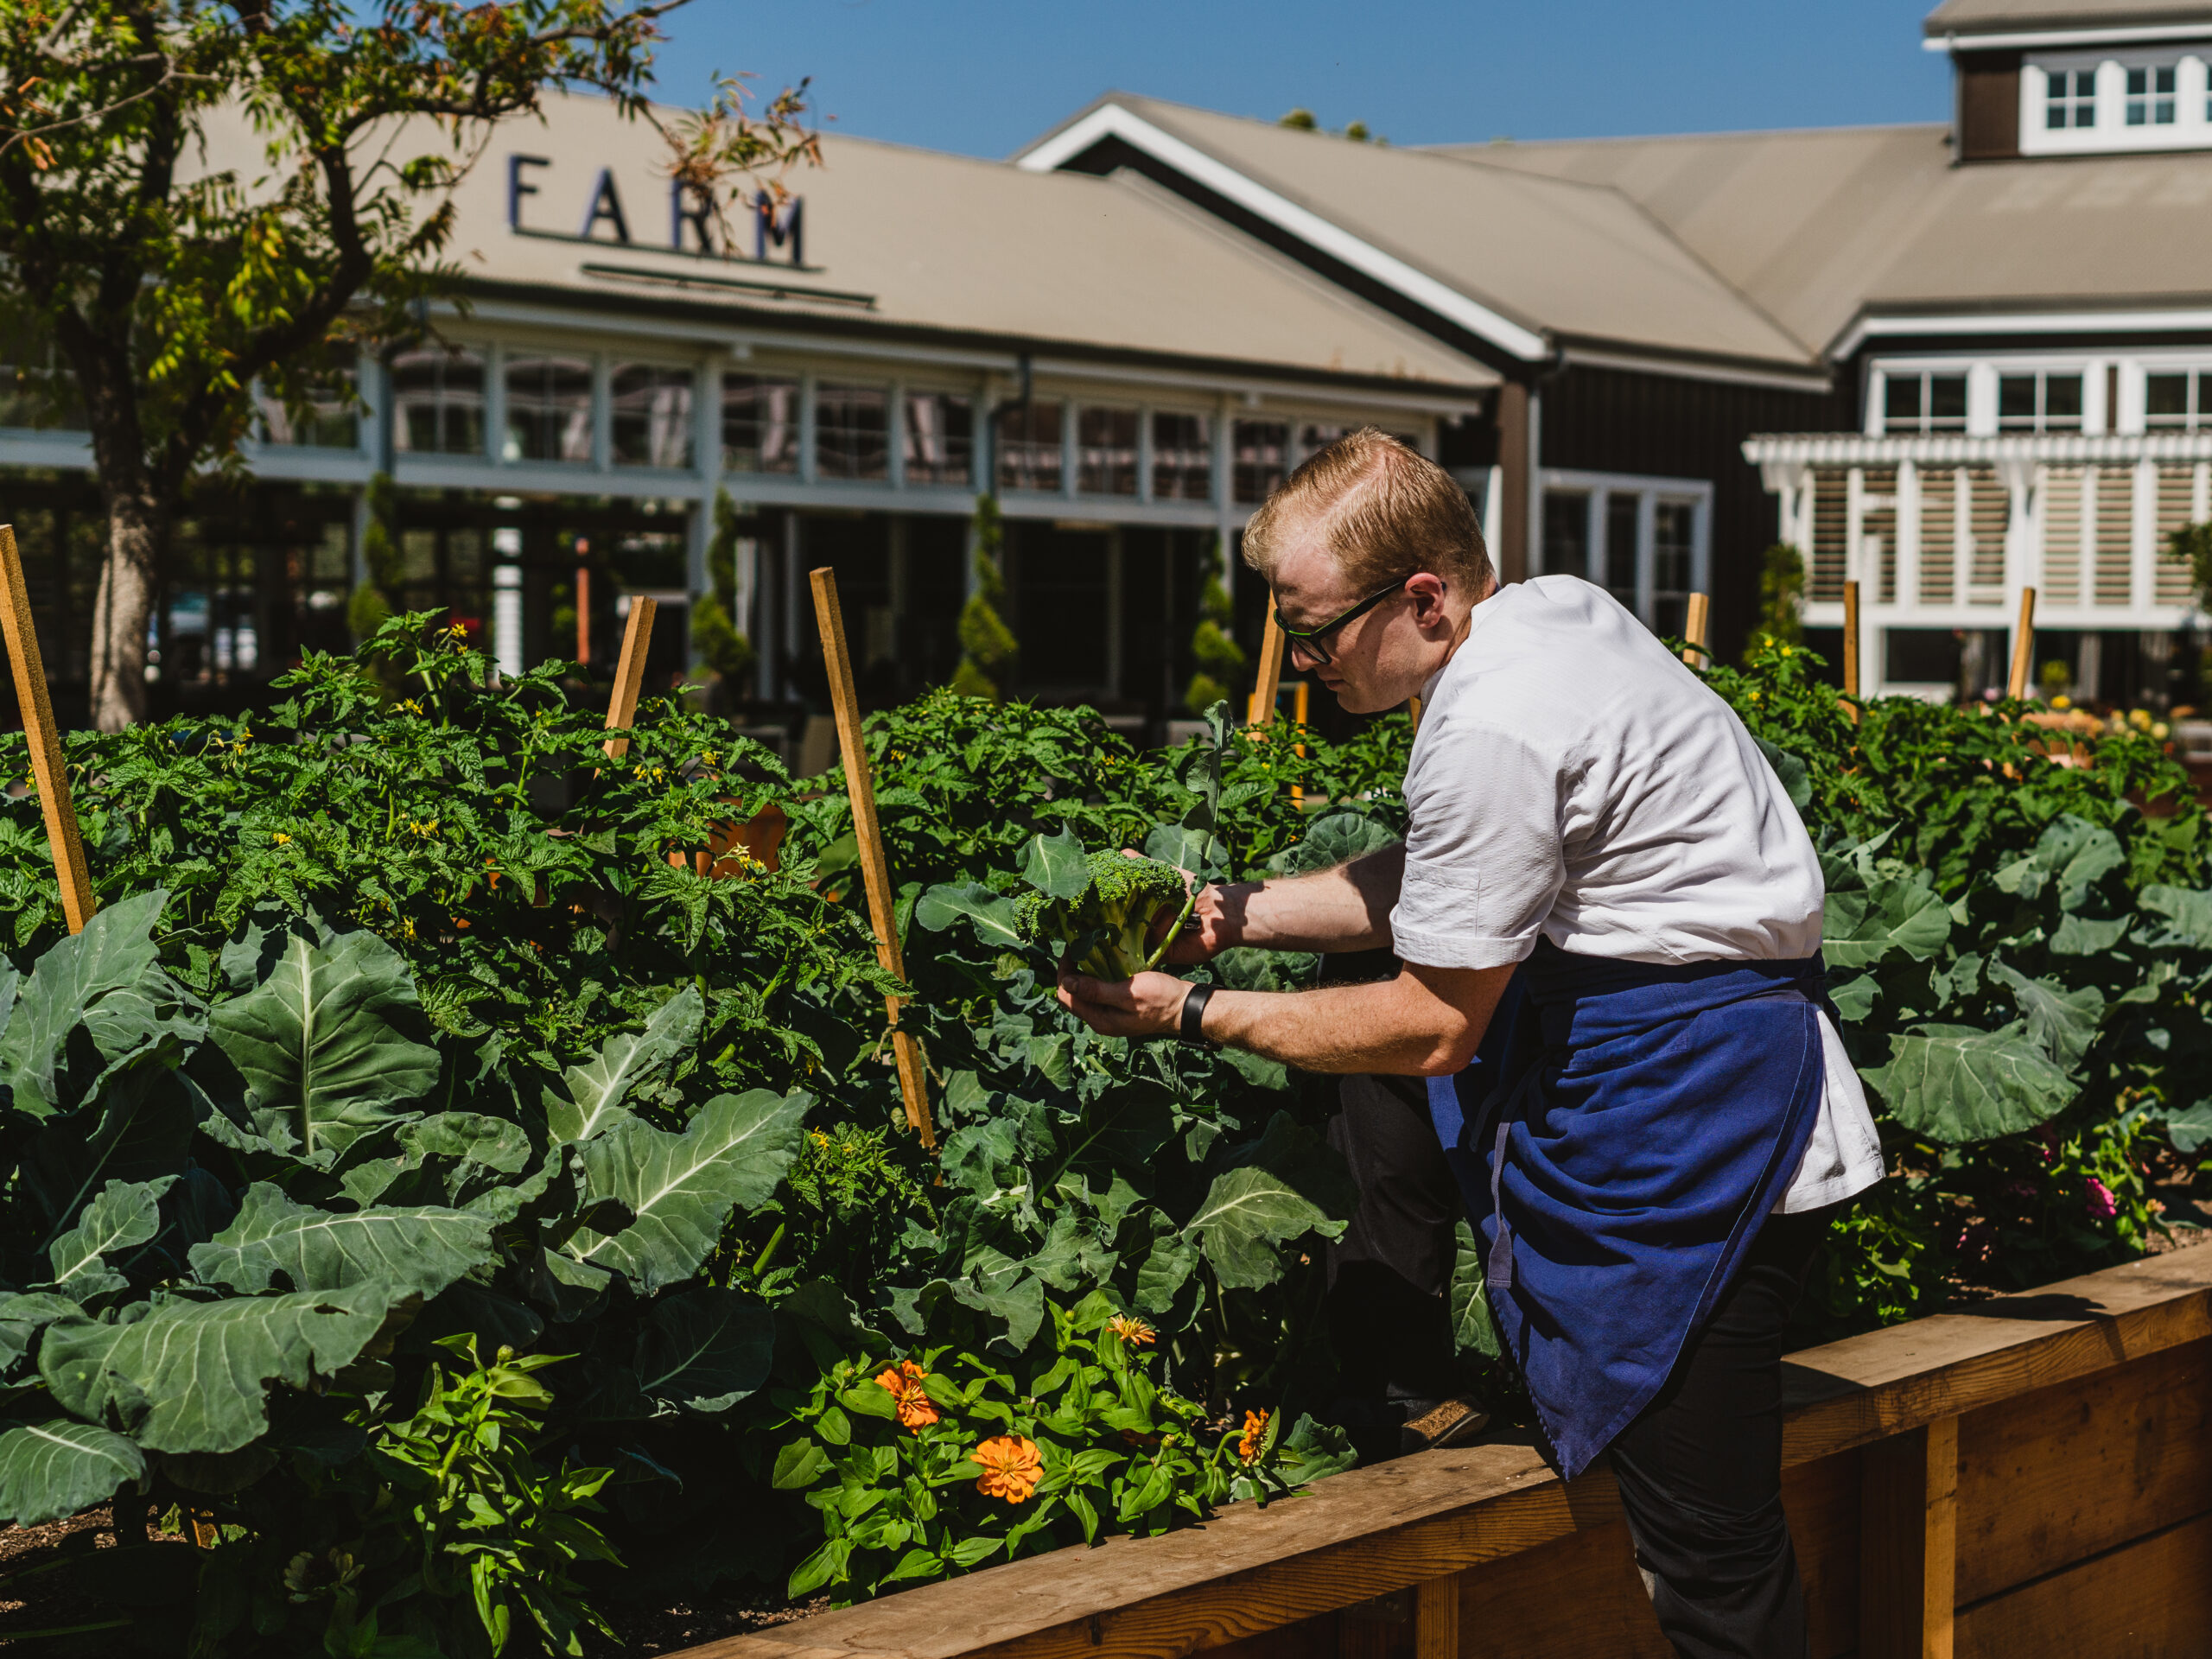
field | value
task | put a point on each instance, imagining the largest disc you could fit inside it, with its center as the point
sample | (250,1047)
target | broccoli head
(1124,895)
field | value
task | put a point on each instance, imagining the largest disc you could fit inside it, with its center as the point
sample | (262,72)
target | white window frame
(2191,128)
(1649,492)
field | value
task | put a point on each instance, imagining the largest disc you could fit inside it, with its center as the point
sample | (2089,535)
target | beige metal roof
(1581,262)
(1818,227)
(2003,16)
(929,241)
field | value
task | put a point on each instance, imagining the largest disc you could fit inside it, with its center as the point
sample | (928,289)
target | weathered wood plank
(1886,1382)
(1578,1598)
(1908,1543)
(2150,1599)
(2072,1471)
(1822,1500)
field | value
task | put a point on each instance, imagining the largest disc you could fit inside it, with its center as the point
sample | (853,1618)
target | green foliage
(1100,905)
(2191,544)
(987,645)
(716,638)
(1782,589)
(1218,657)
(895,1452)
(384,568)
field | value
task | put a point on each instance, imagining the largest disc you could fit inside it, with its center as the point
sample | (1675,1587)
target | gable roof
(1969,18)
(1526,262)
(1826,229)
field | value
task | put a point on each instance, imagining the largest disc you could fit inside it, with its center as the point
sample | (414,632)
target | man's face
(1377,660)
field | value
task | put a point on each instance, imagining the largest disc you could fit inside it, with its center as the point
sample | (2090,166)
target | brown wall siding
(1989,105)
(1616,421)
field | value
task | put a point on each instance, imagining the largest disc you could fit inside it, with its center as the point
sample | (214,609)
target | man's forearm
(1427,1022)
(1347,908)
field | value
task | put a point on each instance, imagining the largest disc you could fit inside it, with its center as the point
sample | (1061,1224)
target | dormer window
(1923,402)
(2070,99)
(2039,403)
(2176,399)
(2151,94)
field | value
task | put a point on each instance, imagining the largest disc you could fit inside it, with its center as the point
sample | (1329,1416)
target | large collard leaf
(1057,864)
(2062,1022)
(124,1214)
(590,1098)
(320,1047)
(680,1189)
(2188,912)
(1791,772)
(1889,908)
(1962,1083)
(96,1004)
(140,1131)
(1289,1185)
(1198,852)
(1333,839)
(55,1469)
(2078,855)
(192,1376)
(2188,1130)
(705,1350)
(1473,1329)
(990,914)
(22,1318)
(418,1249)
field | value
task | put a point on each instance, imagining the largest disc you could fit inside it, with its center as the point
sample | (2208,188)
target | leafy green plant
(1782,589)
(1216,654)
(1100,905)
(987,645)
(716,635)
(924,1468)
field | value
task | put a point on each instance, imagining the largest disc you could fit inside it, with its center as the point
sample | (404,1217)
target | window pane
(1182,459)
(1672,524)
(1313,437)
(1947,401)
(438,398)
(1262,450)
(651,416)
(1106,452)
(2062,401)
(549,409)
(852,432)
(760,423)
(1566,533)
(2165,399)
(1901,404)
(940,438)
(2016,400)
(1029,448)
(1621,515)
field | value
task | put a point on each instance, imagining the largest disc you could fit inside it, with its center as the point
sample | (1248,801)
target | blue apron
(1623,1133)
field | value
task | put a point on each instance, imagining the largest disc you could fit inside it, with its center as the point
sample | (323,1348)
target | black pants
(1700,1470)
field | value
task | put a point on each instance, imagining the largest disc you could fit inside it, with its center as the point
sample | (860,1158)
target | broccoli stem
(1190,901)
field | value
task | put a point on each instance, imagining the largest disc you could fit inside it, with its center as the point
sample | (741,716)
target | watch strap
(1192,1027)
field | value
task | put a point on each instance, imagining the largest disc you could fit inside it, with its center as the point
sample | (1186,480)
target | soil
(690,1625)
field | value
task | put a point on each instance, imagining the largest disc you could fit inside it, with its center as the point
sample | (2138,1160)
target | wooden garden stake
(629,673)
(2023,645)
(1851,647)
(876,869)
(1693,629)
(46,767)
(583,614)
(1263,712)
(1413,711)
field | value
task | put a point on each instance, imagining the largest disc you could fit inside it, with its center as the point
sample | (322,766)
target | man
(1601,864)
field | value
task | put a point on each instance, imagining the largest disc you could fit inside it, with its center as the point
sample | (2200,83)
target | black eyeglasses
(1309,640)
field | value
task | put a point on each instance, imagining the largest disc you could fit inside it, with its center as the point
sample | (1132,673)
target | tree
(988,646)
(1782,585)
(170,286)
(720,643)
(1216,654)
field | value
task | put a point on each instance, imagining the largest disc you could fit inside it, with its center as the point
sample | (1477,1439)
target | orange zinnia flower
(1130,1329)
(1255,1429)
(905,1386)
(1011,1469)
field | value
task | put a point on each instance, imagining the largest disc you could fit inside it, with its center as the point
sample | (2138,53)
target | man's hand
(1198,939)
(1151,1005)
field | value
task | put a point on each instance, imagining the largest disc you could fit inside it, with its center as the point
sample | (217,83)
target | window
(2176,398)
(2151,96)
(437,397)
(1673,527)
(1315,438)
(2070,99)
(940,438)
(2039,403)
(1106,452)
(1915,402)
(760,423)
(651,416)
(549,410)
(1261,460)
(1566,533)
(852,432)
(1621,534)
(1182,458)
(327,422)
(1029,448)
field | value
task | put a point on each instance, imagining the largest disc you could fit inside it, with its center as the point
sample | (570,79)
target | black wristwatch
(1190,1028)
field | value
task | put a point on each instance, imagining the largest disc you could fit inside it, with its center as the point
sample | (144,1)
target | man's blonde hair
(1383,510)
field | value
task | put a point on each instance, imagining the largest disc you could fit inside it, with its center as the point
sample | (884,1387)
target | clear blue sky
(983,76)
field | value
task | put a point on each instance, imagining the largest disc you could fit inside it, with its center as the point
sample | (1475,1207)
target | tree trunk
(138,529)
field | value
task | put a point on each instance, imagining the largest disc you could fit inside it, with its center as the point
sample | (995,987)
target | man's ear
(1427,590)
